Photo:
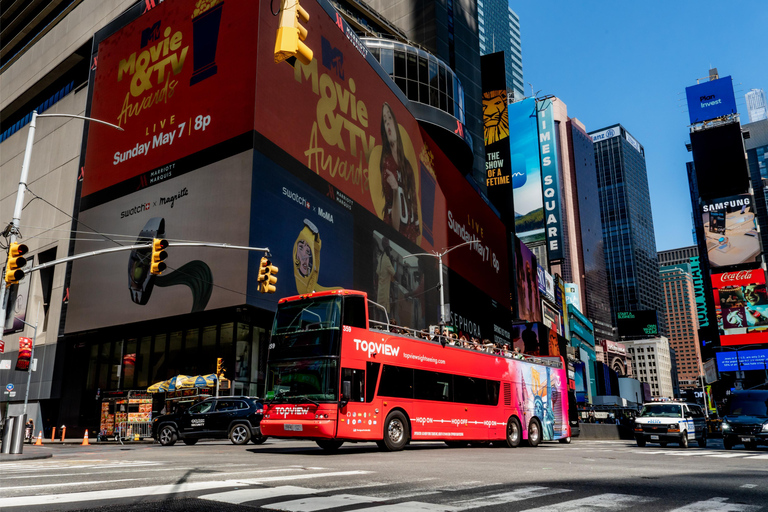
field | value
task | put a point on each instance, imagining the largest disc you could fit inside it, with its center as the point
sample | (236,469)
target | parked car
(675,422)
(747,420)
(233,417)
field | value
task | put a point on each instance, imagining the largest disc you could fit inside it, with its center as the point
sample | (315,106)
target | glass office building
(627,221)
(499,31)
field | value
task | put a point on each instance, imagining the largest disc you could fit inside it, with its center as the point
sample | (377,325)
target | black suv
(233,417)
(747,420)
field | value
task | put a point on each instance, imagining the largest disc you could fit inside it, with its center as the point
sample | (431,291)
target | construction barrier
(133,431)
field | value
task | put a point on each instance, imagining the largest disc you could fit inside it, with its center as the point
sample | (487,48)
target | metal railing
(133,431)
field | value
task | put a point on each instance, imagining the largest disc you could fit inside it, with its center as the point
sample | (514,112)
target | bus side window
(354,312)
(371,378)
(357,378)
(396,382)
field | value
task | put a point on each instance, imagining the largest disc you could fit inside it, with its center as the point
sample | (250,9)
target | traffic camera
(267,278)
(291,34)
(16,262)
(158,255)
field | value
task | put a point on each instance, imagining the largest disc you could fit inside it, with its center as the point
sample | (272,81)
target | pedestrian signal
(16,262)
(158,255)
(291,34)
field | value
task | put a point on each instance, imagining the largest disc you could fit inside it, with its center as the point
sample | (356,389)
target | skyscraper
(627,222)
(499,30)
(757,106)
(682,327)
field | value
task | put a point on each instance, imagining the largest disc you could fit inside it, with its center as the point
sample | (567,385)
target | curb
(10,457)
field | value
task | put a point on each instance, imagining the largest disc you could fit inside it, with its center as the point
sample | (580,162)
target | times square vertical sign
(550,179)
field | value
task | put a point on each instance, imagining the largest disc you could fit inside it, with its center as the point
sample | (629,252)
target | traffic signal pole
(16,221)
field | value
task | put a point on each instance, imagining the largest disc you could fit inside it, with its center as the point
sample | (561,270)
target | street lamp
(439,256)
(14,227)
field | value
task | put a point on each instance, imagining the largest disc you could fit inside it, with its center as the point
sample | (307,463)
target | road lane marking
(716,505)
(66,484)
(758,457)
(608,501)
(523,493)
(749,486)
(242,495)
(726,455)
(258,481)
(313,504)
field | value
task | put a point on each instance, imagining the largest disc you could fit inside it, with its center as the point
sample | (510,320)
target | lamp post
(14,227)
(439,256)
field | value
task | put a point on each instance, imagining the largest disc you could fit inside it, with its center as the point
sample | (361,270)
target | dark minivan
(233,417)
(747,420)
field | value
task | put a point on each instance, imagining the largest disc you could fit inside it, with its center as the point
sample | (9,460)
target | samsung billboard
(710,100)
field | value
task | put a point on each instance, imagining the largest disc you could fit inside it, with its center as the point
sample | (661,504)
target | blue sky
(630,62)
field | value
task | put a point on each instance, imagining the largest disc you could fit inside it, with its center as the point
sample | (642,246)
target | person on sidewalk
(29,431)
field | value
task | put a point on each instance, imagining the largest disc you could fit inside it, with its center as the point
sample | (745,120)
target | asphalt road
(298,476)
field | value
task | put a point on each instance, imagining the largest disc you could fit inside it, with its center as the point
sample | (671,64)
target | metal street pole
(439,256)
(16,221)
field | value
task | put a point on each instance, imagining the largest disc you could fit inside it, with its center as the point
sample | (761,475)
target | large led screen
(709,100)
(740,360)
(637,324)
(741,305)
(718,157)
(730,227)
(526,171)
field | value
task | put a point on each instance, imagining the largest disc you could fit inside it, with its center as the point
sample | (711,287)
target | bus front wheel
(534,433)
(514,432)
(395,431)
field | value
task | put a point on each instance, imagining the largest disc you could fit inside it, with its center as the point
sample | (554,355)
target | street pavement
(426,477)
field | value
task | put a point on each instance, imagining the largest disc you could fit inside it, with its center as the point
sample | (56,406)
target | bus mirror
(346,392)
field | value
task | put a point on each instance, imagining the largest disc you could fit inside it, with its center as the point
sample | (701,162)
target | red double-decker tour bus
(333,376)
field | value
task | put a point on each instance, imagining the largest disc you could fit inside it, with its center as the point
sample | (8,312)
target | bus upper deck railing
(452,340)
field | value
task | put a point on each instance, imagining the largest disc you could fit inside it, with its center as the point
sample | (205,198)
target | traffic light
(290,33)
(220,367)
(16,262)
(158,255)
(267,278)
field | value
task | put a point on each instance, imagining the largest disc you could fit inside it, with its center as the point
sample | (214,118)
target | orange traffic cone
(39,441)
(85,440)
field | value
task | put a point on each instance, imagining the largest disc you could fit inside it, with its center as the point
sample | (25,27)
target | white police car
(671,422)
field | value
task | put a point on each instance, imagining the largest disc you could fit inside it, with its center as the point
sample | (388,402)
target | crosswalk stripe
(67,484)
(257,481)
(242,495)
(131,492)
(716,505)
(412,506)
(759,457)
(313,504)
(608,501)
(726,455)
(524,493)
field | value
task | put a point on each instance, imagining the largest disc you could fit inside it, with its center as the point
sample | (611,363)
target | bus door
(357,417)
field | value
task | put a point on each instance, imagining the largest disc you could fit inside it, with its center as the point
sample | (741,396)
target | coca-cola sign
(741,277)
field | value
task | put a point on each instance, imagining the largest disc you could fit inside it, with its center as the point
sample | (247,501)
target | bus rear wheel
(534,433)
(330,445)
(395,431)
(514,432)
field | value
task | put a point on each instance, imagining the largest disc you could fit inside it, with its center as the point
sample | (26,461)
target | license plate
(292,427)
(746,439)
(655,438)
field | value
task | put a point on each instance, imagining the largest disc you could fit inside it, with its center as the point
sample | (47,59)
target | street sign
(5,364)
(9,387)
(2,346)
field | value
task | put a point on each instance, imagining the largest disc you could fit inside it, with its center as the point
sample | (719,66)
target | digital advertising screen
(710,100)
(720,166)
(741,306)
(528,298)
(526,171)
(741,360)
(637,324)
(537,339)
(730,227)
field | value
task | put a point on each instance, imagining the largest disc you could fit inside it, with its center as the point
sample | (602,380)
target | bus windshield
(306,380)
(308,315)
(661,411)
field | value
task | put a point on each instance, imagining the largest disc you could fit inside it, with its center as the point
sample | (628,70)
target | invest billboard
(730,227)
(710,100)
(741,305)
